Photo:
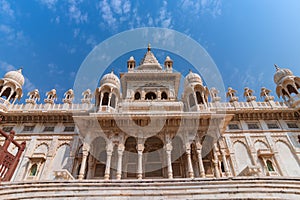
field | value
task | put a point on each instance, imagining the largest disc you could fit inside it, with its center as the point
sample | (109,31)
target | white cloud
(5,9)
(164,20)
(11,36)
(199,7)
(76,32)
(107,14)
(114,12)
(54,69)
(126,7)
(75,12)
(116,5)
(50,4)
(91,41)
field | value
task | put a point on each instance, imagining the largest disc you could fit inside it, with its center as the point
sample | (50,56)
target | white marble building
(139,128)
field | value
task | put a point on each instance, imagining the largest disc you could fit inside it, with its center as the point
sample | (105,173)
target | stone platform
(224,188)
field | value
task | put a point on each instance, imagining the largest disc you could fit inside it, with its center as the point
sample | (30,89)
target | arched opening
(291,89)
(113,101)
(150,96)
(199,98)
(33,170)
(105,99)
(178,158)
(287,159)
(130,156)
(191,100)
(137,96)
(98,158)
(153,158)
(242,156)
(6,93)
(270,166)
(164,95)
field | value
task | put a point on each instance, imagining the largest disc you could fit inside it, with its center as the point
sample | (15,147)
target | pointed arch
(242,156)
(287,160)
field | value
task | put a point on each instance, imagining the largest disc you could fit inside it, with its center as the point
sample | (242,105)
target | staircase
(224,188)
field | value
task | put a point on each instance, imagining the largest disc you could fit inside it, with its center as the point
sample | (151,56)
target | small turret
(131,64)
(168,64)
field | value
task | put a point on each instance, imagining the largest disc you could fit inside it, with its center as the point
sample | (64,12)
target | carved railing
(8,161)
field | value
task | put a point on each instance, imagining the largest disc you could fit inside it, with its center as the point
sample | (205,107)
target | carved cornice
(264,115)
(37,118)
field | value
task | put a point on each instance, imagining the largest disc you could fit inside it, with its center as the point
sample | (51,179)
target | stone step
(229,188)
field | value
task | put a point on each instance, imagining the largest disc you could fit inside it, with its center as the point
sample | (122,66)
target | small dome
(281,73)
(192,78)
(15,76)
(131,58)
(110,78)
(168,59)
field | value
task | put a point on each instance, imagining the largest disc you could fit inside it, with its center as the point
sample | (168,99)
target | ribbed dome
(281,73)
(15,76)
(192,78)
(110,78)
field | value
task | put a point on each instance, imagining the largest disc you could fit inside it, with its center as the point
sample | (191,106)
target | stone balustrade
(133,106)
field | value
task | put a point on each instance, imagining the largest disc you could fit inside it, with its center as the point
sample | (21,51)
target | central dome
(15,76)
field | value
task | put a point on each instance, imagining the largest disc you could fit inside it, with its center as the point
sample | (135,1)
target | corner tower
(11,88)
(287,86)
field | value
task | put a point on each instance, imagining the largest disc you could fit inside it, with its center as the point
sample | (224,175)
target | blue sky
(51,38)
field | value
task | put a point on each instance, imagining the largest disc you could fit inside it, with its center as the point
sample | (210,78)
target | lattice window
(253,126)
(7,128)
(49,129)
(272,126)
(28,128)
(233,126)
(69,129)
(292,125)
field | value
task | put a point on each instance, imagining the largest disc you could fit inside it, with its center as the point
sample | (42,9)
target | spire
(276,67)
(20,70)
(149,47)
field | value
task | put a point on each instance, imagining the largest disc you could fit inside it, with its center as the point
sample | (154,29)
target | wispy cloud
(75,12)
(54,69)
(11,36)
(5,9)
(107,13)
(199,7)
(50,4)
(91,41)
(165,18)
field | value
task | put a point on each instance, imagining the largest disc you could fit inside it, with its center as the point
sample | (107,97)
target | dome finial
(276,67)
(149,47)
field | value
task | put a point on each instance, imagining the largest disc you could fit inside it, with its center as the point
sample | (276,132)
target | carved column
(168,148)
(189,160)
(85,153)
(225,164)
(101,98)
(109,98)
(140,149)
(121,148)
(200,162)
(216,161)
(109,151)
